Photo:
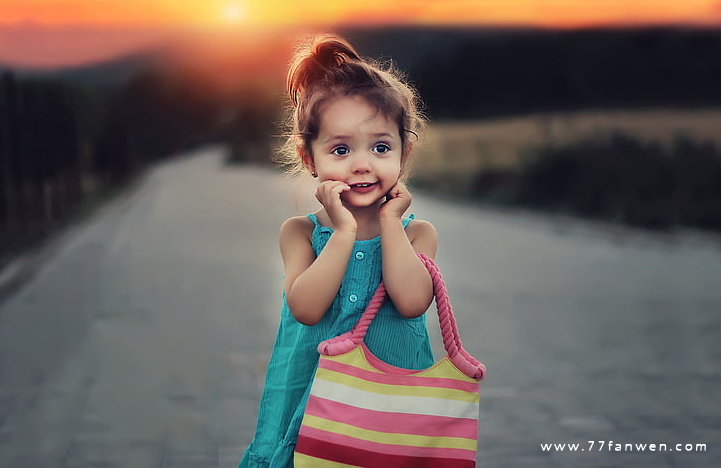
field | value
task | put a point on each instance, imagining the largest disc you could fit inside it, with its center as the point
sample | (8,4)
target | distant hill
(221,63)
(109,73)
(472,72)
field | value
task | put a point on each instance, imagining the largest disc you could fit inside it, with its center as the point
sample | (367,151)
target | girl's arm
(407,280)
(311,283)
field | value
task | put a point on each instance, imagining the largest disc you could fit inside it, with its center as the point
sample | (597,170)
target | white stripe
(393,403)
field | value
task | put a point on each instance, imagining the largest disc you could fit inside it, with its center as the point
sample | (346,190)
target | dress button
(352,298)
(359,255)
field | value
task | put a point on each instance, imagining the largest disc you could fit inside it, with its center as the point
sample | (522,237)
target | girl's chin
(355,201)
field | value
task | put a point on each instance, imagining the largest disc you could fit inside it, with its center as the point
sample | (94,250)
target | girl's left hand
(397,202)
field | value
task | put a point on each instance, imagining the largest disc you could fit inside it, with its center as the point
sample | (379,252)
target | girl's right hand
(328,194)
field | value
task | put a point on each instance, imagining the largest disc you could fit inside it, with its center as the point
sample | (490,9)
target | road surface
(142,338)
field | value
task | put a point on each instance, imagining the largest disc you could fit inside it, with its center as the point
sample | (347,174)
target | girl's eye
(341,151)
(381,148)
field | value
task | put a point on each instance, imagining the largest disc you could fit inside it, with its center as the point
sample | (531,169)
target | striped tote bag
(363,412)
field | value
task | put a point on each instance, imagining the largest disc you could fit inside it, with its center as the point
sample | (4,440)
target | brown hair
(327,67)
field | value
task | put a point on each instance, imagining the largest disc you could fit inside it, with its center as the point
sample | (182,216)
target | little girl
(352,122)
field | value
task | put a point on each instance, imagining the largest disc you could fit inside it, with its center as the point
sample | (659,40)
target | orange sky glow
(552,13)
(57,32)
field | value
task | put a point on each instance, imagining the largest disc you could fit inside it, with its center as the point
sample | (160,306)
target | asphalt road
(141,338)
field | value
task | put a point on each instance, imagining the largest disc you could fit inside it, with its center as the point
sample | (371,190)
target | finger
(326,193)
(332,183)
(341,188)
(337,190)
(328,188)
(401,191)
(396,190)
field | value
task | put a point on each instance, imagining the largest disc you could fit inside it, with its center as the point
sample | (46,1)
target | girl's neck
(368,223)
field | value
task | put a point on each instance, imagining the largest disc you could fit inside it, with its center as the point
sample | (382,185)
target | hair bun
(331,51)
(314,60)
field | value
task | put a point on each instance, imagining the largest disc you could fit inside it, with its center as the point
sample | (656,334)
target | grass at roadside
(650,168)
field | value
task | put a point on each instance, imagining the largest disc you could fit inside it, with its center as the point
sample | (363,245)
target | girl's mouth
(363,187)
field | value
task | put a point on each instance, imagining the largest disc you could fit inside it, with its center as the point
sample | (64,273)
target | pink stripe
(376,447)
(391,379)
(399,423)
(366,459)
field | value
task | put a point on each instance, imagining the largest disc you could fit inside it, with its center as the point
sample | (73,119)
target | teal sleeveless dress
(396,340)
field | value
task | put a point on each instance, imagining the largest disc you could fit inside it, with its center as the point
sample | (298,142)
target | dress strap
(318,227)
(313,218)
(408,220)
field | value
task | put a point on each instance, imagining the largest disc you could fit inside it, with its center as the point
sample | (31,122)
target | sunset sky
(81,30)
(207,12)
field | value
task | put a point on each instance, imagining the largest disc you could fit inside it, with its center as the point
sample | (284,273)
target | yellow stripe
(304,461)
(386,389)
(447,370)
(443,369)
(389,438)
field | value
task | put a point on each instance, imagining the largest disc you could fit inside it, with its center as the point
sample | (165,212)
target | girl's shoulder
(423,236)
(420,227)
(296,228)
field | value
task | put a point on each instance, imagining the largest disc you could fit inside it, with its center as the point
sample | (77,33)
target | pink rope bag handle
(449,329)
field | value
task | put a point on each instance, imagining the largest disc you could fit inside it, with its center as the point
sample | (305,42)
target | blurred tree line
(616,178)
(66,144)
(477,73)
(39,156)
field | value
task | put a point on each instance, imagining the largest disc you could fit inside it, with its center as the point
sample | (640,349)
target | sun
(233,12)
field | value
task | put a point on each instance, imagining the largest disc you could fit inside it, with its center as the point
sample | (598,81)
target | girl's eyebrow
(337,137)
(349,137)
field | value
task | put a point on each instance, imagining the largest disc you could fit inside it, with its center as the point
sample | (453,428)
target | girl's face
(357,145)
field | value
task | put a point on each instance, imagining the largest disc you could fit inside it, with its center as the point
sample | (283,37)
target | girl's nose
(361,164)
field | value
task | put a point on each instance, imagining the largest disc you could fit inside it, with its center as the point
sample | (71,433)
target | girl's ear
(307,160)
(405,160)
(409,150)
